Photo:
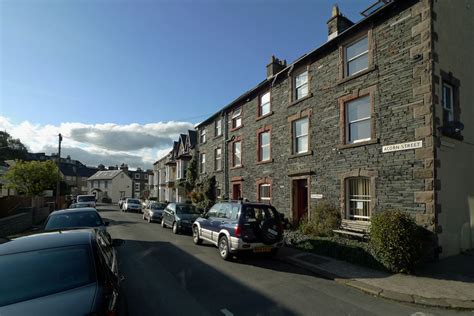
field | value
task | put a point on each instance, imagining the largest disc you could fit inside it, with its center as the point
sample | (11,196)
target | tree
(191,175)
(11,148)
(32,177)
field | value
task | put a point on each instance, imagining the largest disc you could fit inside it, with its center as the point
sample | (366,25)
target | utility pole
(58,184)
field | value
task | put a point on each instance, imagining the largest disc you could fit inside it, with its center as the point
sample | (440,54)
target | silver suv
(240,226)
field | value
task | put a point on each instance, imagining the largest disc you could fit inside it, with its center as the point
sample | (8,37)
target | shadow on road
(163,279)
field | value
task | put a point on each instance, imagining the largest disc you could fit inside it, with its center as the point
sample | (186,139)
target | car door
(219,221)
(205,223)
(170,213)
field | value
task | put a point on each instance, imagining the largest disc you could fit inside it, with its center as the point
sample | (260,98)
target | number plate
(262,249)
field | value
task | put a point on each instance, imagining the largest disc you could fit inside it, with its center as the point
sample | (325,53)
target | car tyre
(196,238)
(224,250)
(163,223)
(175,228)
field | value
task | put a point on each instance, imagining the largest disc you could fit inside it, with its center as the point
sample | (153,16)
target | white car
(86,200)
(133,205)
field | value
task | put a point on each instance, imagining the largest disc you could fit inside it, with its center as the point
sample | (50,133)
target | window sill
(301,100)
(263,116)
(218,136)
(236,128)
(309,153)
(236,167)
(218,171)
(264,162)
(357,75)
(368,142)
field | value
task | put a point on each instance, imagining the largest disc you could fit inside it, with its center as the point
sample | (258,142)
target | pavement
(167,274)
(448,283)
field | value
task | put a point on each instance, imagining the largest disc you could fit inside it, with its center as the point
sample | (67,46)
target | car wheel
(175,228)
(163,223)
(224,248)
(196,238)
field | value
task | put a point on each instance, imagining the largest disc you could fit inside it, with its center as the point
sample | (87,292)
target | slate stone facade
(403,92)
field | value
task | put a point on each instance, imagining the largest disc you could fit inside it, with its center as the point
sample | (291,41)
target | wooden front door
(236,191)
(300,199)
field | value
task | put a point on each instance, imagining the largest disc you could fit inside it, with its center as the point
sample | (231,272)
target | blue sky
(101,61)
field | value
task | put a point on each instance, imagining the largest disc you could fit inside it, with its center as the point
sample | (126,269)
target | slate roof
(105,175)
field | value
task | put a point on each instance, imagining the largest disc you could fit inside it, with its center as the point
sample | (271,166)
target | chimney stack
(338,23)
(275,66)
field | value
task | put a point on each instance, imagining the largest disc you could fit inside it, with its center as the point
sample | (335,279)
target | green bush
(324,218)
(395,240)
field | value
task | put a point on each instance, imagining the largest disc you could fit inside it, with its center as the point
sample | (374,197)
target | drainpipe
(226,155)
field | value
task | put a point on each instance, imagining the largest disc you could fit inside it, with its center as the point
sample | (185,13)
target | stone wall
(209,147)
(24,219)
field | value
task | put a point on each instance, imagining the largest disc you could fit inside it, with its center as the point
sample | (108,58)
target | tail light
(237,231)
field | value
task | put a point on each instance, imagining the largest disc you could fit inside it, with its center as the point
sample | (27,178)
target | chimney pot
(338,23)
(275,66)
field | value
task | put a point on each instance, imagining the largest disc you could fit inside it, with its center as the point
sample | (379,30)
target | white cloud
(109,144)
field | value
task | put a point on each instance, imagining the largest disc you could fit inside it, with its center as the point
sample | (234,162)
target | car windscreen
(28,275)
(252,213)
(186,209)
(131,201)
(86,198)
(71,220)
(157,206)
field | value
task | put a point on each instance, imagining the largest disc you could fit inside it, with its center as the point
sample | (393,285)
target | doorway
(299,199)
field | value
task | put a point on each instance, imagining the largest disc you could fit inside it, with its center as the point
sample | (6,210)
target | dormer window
(237,118)
(301,85)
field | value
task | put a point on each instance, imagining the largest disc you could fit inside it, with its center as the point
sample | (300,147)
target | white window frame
(218,127)
(237,118)
(234,154)
(348,123)
(364,199)
(347,61)
(261,146)
(137,176)
(146,176)
(137,187)
(267,198)
(202,136)
(451,97)
(202,163)
(296,137)
(269,103)
(297,87)
(218,159)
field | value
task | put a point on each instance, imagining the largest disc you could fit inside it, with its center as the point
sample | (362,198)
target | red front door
(236,191)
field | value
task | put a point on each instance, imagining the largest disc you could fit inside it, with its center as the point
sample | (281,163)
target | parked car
(132,205)
(89,199)
(154,212)
(240,226)
(179,216)
(79,205)
(76,218)
(59,273)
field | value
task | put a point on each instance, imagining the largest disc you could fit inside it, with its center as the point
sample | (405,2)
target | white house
(113,184)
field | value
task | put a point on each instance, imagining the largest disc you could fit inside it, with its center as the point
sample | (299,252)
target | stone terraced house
(378,117)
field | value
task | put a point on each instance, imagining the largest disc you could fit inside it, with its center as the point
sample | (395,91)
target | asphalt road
(166,274)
